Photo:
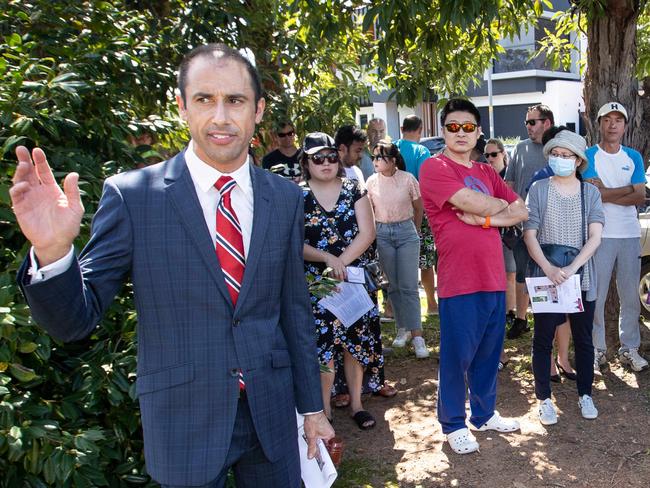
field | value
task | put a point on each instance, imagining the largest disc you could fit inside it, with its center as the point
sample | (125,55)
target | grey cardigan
(537,201)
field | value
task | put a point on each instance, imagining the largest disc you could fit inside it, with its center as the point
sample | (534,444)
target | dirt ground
(407,448)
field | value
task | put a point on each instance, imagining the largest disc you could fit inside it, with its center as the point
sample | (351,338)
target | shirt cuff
(311,413)
(51,270)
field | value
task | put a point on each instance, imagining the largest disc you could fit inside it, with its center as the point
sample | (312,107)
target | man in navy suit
(221,367)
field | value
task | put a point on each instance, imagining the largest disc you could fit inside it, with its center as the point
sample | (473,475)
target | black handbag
(557,254)
(510,236)
(375,278)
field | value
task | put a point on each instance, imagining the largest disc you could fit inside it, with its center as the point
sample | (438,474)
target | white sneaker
(421,351)
(600,360)
(462,441)
(499,423)
(632,358)
(402,336)
(547,413)
(587,407)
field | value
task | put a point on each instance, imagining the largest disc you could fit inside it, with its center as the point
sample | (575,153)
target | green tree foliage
(92,83)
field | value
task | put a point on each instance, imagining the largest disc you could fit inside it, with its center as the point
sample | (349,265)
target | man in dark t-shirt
(285,160)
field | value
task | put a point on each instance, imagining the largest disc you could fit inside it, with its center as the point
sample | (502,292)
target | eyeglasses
(532,122)
(455,127)
(565,156)
(291,133)
(319,159)
(377,157)
(492,154)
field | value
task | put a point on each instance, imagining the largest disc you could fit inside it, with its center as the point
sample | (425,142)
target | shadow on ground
(406,449)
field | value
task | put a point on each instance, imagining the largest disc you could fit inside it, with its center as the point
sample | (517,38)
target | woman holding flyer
(339,229)
(565,214)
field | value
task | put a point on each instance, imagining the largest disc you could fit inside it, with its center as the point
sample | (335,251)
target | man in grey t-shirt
(527,159)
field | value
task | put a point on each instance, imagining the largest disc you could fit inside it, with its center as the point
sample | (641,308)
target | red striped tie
(230,245)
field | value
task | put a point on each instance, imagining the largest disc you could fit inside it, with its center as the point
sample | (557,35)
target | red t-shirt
(470,258)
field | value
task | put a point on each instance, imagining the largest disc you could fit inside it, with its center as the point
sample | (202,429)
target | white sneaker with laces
(499,423)
(633,359)
(587,407)
(462,441)
(421,351)
(402,336)
(547,413)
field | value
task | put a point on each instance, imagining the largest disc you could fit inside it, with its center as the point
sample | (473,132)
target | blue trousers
(251,467)
(472,327)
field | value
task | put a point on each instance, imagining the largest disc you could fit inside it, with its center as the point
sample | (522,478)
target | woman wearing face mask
(561,366)
(565,211)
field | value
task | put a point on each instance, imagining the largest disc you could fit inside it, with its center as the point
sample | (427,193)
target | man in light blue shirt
(618,172)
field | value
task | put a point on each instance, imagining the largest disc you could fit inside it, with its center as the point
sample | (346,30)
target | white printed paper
(349,303)
(318,472)
(355,275)
(545,297)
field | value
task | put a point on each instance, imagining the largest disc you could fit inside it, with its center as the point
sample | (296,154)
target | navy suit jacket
(191,340)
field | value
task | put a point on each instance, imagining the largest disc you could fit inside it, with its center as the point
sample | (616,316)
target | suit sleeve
(297,321)
(70,305)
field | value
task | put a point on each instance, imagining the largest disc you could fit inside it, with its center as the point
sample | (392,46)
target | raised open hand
(48,217)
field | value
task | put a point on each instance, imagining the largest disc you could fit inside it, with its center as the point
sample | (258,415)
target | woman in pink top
(395,198)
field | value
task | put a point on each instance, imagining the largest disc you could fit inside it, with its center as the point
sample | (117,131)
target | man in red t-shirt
(466,202)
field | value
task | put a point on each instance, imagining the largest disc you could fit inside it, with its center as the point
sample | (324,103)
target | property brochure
(545,297)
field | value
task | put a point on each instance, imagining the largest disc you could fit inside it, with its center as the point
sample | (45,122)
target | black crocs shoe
(518,328)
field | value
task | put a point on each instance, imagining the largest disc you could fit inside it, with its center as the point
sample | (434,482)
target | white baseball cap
(610,107)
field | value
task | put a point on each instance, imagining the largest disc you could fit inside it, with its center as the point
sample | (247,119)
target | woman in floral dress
(339,229)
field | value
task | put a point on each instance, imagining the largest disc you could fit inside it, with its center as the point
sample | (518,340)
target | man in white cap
(618,173)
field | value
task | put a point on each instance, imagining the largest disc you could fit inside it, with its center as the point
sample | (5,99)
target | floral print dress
(332,232)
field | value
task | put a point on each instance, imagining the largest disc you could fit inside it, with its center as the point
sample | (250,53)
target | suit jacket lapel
(180,190)
(261,212)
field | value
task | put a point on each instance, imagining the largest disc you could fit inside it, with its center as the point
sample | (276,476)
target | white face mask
(562,166)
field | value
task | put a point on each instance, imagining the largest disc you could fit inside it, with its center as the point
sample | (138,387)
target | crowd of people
(552,192)
(217,249)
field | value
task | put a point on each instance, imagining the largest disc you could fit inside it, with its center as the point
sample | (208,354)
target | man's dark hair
(226,52)
(348,134)
(459,105)
(281,124)
(544,111)
(411,123)
(551,132)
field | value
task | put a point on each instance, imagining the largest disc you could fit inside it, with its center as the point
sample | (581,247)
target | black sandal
(362,417)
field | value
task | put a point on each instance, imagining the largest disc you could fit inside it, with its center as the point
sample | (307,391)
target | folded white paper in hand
(318,472)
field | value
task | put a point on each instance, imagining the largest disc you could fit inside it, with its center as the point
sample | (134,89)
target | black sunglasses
(492,154)
(377,157)
(532,122)
(455,127)
(319,159)
(291,133)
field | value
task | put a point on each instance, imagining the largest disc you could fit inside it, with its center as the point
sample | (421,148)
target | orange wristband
(486,224)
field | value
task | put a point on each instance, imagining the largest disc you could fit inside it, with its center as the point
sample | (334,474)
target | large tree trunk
(611,76)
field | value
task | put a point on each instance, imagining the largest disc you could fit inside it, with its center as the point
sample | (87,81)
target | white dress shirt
(204,177)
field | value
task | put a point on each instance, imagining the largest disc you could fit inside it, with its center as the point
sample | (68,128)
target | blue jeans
(472,327)
(398,246)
